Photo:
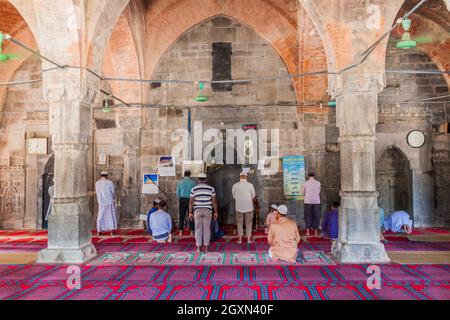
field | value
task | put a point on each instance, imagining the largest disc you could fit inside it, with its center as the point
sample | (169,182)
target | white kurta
(107,220)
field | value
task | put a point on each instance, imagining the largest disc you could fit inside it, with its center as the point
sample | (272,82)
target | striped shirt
(202,195)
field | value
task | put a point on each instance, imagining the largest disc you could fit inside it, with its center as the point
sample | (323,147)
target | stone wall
(430,180)
(25,117)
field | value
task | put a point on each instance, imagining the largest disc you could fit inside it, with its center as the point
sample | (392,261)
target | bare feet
(249,240)
(192,233)
(239,241)
(307,233)
(206,249)
(181,233)
(198,250)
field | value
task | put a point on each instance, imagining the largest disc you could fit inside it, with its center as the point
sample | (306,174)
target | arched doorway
(47,181)
(223,176)
(394,181)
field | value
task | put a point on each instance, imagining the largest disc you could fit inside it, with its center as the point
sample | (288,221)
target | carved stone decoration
(12,197)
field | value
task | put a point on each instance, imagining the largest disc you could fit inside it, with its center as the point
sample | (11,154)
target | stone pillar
(131,176)
(357,115)
(69,237)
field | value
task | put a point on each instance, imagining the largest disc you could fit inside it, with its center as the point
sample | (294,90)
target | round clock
(416,139)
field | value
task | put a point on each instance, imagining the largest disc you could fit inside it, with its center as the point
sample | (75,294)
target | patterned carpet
(39,282)
(310,258)
(230,272)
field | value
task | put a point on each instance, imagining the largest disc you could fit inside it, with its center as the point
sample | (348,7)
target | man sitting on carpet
(283,237)
(271,217)
(398,222)
(330,224)
(152,211)
(161,224)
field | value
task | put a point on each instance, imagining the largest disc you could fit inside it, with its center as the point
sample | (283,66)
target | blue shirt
(160,223)
(330,224)
(152,210)
(184,188)
(396,221)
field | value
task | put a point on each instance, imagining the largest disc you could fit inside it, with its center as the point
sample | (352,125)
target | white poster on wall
(150,183)
(166,166)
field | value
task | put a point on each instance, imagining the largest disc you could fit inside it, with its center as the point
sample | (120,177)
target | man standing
(283,237)
(330,223)
(184,188)
(106,220)
(244,194)
(201,206)
(311,190)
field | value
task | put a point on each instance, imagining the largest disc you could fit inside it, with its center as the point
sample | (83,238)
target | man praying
(244,194)
(161,224)
(398,222)
(283,237)
(105,190)
(330,224)
(311,189)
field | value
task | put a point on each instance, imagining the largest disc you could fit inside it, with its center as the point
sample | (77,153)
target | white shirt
(105,192)
(312,189)
(244,193)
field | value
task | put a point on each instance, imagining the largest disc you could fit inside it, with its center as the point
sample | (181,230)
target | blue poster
(294,176)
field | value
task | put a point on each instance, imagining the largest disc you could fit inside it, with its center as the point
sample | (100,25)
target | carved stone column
(357,115)
(69,237)
(131,176)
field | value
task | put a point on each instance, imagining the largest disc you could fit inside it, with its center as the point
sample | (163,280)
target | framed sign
(416,139)
(196,167)
(102,159)
(294,177)
(150,183)
(166,166)
(269,166)
(37,146)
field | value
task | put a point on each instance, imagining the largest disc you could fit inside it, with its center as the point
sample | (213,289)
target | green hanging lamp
(5,57)
(201,97)
(406,42)
(107,105)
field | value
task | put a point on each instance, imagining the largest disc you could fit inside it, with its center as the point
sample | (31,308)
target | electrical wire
(364,55)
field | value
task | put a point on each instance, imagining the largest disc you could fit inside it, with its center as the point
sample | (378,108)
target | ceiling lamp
(201,97)
(5,57)
(107,104)
(406,42)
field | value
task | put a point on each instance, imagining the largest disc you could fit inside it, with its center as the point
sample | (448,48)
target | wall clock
(416,139)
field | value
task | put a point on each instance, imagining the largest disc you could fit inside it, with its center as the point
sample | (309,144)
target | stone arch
(394,180)
(194,48)
(430,23)
(122,59)
(269,23)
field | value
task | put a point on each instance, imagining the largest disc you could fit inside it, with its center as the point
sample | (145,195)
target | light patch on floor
(420,257)
(17,258)
(430,238)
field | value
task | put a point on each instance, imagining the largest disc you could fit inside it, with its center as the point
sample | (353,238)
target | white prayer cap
(244,174)
(202,176)
(274,206)
(157,201)
(104,173)
(283,210)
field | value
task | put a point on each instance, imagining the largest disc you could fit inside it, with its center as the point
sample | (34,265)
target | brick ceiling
(11,21)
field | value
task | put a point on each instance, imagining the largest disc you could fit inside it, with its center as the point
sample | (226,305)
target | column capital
(359,83)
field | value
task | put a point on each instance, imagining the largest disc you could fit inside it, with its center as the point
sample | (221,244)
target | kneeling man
(161,224)
(283,237)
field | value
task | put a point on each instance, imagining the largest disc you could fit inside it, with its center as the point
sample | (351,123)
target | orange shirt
(284,239)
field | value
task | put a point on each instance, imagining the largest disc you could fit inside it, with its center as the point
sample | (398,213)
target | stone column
(357,115)
(131,179)
(69,237)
